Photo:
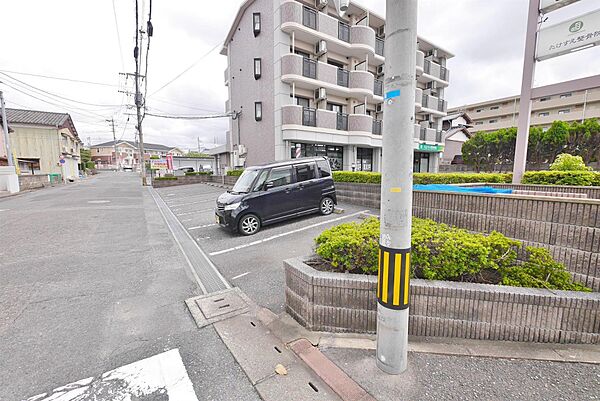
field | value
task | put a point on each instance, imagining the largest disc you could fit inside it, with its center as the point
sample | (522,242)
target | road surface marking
(161,376)
(195,211)
(171,194)
(285,234)
(240,276)
(204,226)
(193,203)
(99,201)
(4,210)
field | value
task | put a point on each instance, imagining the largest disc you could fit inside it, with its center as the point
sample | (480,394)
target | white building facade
(304,82)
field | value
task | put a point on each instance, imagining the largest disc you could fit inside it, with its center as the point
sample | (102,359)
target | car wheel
(249,224)
(327,206)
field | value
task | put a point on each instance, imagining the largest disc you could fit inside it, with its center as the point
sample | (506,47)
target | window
(338,108)
(364,159)
(334,154)
(305,172)
(565,95)
(324,168)
(478,122)
(260,182)
(256,23)
(544,114)
(564,111)
(494,107)
(258,111)
(478,110)
(280,176)
(302,101)
(257,68)
(302,53)
(309,18)
(545,99)
(493,121)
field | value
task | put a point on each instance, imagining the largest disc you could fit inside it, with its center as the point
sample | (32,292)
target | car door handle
(301,186)
(288,190)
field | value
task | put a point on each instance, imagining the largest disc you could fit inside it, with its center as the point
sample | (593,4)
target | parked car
(458,159)
(182,170)
(127,168)
(275,192)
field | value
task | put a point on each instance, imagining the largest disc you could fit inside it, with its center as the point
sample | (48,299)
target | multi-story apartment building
(504,113)
(304,82)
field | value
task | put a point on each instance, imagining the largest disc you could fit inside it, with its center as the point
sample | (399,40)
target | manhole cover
(211,308)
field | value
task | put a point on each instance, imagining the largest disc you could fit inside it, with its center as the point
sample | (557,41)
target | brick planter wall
(338,302)
(568,228)
(33,181)
(194,179)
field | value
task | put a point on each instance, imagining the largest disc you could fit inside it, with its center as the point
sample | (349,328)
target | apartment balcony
(377,127)
(311,74)
(434,72)
(418,99)
(433,105)
(427,134)
(324,126)
(500,111)
(311,25)
(536,119)
(420,62)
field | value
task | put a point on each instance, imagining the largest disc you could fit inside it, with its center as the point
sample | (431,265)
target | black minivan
(274,192)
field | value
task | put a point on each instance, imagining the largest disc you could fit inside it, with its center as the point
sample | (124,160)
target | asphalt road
(255,263)
(90,280)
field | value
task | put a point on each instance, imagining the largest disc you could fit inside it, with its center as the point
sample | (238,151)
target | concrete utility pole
(396,185)
(139,98)
(112,122)
(9,155)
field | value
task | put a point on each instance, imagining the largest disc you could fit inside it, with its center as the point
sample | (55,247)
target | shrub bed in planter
(576,178)
(425,178)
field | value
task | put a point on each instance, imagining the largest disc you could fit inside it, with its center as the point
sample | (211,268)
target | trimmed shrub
(577,178)
(198,173)
(441,252)
(90,165)
(425,178)
(165,178)
(235,173)
(567,162)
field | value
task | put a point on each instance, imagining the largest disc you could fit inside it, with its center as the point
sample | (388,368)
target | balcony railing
(434,103)
(442,105)
(344,32)
(443,73)
(423,134)
(436,70)
(378,87)
(379,46)
(309,117)
(309,68)
(341,122)
(342,77)
(377,127)
(309,18)
(438,136)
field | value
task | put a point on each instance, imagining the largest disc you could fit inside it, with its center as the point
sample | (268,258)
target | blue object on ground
(455,188)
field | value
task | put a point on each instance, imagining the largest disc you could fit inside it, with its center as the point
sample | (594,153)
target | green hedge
(425,178)
(235,173)
(578,178)
(440,252)
(165,178)
(198,173)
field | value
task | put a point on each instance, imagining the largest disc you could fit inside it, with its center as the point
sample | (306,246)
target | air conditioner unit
(320,94)
(432,53)
(380,70)
(321,48)
(242,150)
(379,107)
(321,4)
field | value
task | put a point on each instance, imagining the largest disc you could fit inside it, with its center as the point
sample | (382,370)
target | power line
(118,35)
(186,70)
(60,78)
(183,117)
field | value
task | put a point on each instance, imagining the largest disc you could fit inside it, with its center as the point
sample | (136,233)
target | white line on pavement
(195,211)
(240,276)
(193,203)
(204,226)
(171,194)
(285,234)
(4,210)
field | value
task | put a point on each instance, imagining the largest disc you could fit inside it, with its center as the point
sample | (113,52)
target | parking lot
(254,263)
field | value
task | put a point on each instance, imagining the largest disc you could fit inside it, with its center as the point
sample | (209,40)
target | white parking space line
(170,194)
(240,276)
(204,226)
(195,211)
(4,210)
(193,203)
(285,234)
(160,376)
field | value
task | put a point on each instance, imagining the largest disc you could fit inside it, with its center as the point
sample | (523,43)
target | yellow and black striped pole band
(393,277)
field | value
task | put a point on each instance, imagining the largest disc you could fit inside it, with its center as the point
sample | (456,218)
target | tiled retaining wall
(591,192)
(336,302)
(568,228)
(34,181)
(195,179)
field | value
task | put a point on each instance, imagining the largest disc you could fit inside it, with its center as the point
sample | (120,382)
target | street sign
(547,6)
(430,148)
(158,164)
(568,36)
(169,162)
(62,161)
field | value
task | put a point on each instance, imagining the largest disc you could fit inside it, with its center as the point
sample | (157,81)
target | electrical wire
(147,53)
(182,117)
(60,78)
(118,36)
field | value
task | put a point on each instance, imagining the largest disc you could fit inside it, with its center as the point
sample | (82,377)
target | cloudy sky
(93,41)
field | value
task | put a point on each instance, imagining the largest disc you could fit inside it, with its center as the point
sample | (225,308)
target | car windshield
(245,181)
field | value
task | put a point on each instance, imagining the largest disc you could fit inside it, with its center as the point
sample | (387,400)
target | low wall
(27,182)
(336,302)
(568,228)
(591,192)
(195,179)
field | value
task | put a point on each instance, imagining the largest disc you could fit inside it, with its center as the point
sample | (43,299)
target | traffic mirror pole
(396,185)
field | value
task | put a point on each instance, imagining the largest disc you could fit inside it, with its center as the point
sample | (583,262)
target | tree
(198,155)
(475,151)
(86,155)
(567,162)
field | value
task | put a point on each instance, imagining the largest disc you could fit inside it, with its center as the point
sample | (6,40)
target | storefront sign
(158,164)
(431,148)
(550,5)
(568,36)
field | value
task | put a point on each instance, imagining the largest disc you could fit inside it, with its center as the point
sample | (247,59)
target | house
(456,131)
(44,143)
(103,154)
(303,81)
(9,181)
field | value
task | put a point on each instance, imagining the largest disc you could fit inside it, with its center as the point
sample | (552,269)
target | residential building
(304,82)
(9,181)
(456,131)
(44,142)
(570,106)
(128,155)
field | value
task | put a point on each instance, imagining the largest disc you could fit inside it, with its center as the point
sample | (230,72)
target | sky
(93,41)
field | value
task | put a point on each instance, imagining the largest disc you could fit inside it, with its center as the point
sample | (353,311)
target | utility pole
(112,121)
(396,185)
(9,155)
(139,98)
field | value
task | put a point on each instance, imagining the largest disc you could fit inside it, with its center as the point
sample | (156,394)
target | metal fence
(309,117)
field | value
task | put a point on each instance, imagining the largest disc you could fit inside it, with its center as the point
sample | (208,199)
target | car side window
(305,172)
(324,168)
(260,182)
(280,176)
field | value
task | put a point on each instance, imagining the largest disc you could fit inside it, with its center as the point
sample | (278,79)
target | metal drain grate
(208,309)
